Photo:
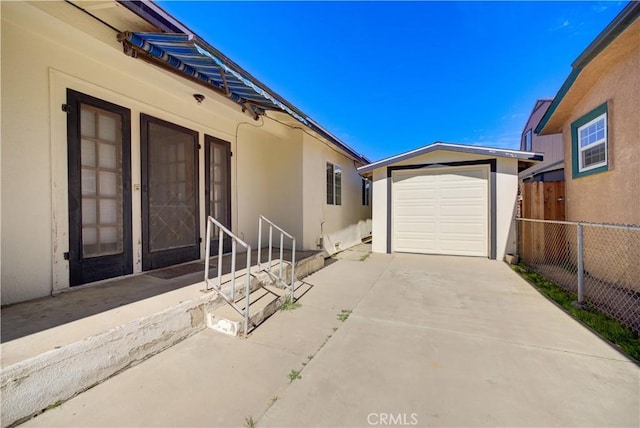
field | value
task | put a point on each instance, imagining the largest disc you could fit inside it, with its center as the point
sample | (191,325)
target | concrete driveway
(431,341)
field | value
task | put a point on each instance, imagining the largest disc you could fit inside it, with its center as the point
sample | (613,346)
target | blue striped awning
(194,58)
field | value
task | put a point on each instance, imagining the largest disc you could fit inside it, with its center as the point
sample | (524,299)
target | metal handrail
(283,233)
(209,284)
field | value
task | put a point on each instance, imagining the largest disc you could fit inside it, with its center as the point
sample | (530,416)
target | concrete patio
(431,341)
(93,332)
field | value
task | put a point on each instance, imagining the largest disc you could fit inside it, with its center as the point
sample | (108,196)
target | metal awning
(188,55)
(193,58)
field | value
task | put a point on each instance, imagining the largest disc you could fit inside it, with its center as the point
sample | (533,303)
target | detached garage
(447,199)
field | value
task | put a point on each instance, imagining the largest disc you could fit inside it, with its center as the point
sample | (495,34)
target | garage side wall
(506,187)
(506,194)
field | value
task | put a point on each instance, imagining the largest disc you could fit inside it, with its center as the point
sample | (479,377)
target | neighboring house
(447,199)
(552,168)
(597,111)
(111,161)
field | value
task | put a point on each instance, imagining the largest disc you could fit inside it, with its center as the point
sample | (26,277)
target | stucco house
(122,130)
(596,110)
(448,199)
(552,168)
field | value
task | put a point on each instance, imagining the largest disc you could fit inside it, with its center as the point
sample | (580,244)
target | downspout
(321,240)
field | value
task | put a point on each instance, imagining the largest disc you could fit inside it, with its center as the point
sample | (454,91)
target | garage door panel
(416,211)
(463,228)
(441,211)
(467,210)
(418,236)
(462,238)
(476,175)
(462,248)
(456,193)
(414,245)
(424,231)
(407,196)
(462,188)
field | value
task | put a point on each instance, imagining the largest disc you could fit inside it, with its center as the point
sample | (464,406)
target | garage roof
(462,148)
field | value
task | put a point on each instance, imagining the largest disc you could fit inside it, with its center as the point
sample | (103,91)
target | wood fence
(542,201)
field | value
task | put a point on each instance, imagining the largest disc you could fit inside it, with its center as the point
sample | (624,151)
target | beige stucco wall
(506,192)
(340,226)
(612,196)
(272,183)
(42,57)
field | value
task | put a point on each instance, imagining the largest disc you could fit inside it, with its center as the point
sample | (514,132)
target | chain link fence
(598,262)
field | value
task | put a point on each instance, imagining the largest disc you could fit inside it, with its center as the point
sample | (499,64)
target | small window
(334,184)
(590,142)
(329,183)
(527,140)
(366,192)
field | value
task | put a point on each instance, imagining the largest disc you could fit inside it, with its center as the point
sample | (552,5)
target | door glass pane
(89,236)
(108,235)
(88,181)
(218,187)
(107,130)
(172,198)
(89,211)
(218,209)
(108,211)
(108,157)
(101,183)
(108,184)
(88,153)
(87,122)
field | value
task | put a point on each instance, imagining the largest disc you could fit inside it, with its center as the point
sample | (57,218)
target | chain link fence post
(580,255)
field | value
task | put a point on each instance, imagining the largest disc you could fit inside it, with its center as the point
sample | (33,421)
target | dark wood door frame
(162,258)
(84,270)
(209,142)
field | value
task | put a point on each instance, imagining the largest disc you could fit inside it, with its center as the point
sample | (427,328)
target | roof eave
(155,15)
(557,165)
(541,128)
(625,18)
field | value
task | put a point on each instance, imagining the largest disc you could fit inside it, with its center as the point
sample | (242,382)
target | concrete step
(85,352)
(263,303)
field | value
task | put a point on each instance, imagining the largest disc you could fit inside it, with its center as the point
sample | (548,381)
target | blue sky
(386,77)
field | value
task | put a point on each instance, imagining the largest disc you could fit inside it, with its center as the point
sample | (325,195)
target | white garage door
(441,211)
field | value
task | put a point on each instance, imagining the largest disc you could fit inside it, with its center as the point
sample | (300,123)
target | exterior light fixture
(199,98)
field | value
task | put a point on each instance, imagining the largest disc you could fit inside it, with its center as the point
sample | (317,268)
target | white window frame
(604,140)
(336,197)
